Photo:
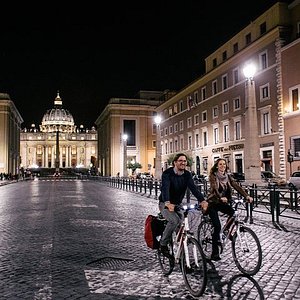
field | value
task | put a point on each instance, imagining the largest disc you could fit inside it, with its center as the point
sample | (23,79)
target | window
(170,111)
(237,130)
(196,98)
(264,92)
(263,60)
(171,147)
(226,132)
(196,119)
(294,98)
(225,106)
(214,62)
(224,82)
(175,127)
(215,111)
(166,148)
(235,47)
(205,141)
(235,76)
(263,28)
(203,93)
(197,144)
(190,142)
(154,127)
(181,143)
(214,87)
(129,129)
(236,104)
(248,38)
(181,125)
(295,147)
(204,116)
(189,122)
(166,131)
(224,55)
(175,108)
(170,129)
(265,118)
(216,135)
(180,106)
(176,145)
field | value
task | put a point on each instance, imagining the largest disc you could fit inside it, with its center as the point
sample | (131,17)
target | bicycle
(245,245)
(186,251)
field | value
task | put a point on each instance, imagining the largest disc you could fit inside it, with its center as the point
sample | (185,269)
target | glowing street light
(252,149)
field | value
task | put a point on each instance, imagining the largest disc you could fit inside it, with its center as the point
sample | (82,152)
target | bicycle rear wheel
(204,235)
(246,251)
(166,263)
(195,276)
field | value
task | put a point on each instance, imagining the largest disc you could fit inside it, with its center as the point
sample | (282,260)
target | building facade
(10,128)
(209,119)
(58,142)
(133,118)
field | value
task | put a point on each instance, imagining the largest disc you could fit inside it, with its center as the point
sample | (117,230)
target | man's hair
(177,156)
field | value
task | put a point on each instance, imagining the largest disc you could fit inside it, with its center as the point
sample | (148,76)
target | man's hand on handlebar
(170,206)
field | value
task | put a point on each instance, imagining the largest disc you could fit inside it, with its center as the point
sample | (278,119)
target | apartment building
(10,128)
(133,117)
(207,119)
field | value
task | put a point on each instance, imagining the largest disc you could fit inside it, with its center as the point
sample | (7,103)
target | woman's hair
(177,156)
(214,168)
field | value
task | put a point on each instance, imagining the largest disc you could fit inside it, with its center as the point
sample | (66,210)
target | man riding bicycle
(175,181)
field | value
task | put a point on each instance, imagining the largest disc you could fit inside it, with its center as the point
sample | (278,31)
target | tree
(134,166)
(189,160)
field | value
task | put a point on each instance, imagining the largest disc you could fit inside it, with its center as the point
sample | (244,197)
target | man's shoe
(165,251)
(215,257)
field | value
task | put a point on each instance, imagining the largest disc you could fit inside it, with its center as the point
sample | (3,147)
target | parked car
(271,177)
(294,180)
(238,176)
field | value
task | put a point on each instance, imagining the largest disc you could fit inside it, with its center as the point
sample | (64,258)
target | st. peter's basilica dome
(57,119)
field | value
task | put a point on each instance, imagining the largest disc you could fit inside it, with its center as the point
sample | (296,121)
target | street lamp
(158,169)
(124,138)
(252,149)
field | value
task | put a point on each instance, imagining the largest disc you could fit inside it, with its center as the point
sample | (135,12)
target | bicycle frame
(181,240)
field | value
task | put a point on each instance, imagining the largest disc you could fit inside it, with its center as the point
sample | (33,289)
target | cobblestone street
(85,240)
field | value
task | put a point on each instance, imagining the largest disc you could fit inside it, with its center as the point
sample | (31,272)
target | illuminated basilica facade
(58,142)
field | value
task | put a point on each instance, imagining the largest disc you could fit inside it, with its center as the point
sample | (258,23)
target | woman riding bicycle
(175,181)
(220,194)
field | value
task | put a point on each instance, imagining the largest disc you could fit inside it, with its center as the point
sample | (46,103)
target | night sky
(91,54)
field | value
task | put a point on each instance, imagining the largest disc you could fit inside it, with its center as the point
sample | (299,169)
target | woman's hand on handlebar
(204,205)
(249,199)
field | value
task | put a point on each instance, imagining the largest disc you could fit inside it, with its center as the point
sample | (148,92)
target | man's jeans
(174,221)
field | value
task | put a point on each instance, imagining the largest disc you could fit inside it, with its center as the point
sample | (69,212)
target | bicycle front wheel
(246,251)
(194,269)
(204,235)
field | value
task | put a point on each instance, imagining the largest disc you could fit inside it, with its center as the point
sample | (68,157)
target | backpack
(154,228)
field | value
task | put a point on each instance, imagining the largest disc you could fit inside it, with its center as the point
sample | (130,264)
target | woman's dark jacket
(174,186)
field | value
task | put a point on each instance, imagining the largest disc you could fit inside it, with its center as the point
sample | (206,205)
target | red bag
(154,228)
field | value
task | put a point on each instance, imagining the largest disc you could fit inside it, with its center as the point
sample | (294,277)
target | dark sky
(91,54)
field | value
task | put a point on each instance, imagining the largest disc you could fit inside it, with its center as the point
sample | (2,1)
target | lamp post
(252,148)
(158,169)
(290,159)
(124,138)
